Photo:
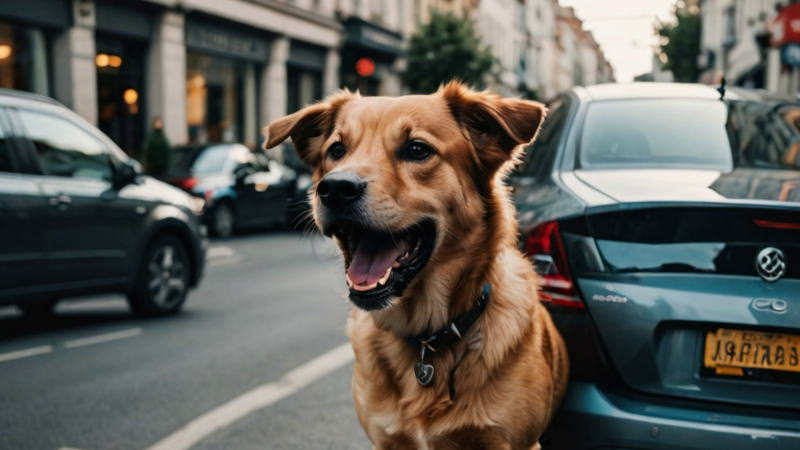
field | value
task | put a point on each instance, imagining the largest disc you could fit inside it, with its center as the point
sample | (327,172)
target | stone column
(166,77)
(249,128)
(274,83)
(73,52)
(273,88)
(330,79)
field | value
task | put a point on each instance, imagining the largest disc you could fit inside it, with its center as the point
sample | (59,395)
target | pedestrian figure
(157,151)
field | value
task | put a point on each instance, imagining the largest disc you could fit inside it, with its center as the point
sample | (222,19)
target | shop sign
(364,34)
(786,26)
(224,42)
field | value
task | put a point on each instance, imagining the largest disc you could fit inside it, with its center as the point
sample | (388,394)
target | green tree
(680,42)
(444,49)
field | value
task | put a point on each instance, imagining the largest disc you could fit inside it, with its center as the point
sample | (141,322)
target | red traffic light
(365,67)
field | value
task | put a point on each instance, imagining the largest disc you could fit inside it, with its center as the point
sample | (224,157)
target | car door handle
(61,200)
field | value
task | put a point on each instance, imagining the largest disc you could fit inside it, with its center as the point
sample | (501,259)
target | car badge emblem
(772,305)
(771,264)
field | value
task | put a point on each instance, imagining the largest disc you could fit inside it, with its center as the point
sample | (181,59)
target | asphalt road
(97,378)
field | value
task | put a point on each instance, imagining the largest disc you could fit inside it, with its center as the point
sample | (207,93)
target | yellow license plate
(730,351)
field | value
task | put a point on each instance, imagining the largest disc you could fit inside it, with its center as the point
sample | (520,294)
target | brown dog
(453,349)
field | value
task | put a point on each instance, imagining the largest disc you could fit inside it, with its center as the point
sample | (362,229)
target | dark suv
(77,217)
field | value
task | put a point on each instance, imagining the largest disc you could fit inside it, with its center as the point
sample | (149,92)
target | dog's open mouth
(383,263)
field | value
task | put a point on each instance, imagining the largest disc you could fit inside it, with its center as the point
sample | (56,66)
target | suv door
(22,214)
(88,226)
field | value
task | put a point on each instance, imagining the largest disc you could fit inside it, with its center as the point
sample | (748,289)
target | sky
(624,30)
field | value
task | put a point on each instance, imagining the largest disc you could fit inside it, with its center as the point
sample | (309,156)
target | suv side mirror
(125,173)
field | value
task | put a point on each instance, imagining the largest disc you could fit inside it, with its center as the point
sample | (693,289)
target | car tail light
(545,248)
(188,183)
(777,224)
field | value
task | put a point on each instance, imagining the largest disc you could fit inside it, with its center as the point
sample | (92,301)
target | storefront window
(23,59)
(120,91)
(215,90)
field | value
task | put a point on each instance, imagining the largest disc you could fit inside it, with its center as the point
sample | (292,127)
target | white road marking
(219,251)
(33,351)
(255,399)
(100,338)
(227,261)
(221,255)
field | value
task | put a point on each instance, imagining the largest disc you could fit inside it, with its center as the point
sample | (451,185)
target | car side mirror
(125,173)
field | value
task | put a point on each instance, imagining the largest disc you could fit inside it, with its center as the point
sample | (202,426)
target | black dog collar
(445,335)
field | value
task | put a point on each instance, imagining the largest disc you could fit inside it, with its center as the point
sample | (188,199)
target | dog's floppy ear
(306,126)
(496,125)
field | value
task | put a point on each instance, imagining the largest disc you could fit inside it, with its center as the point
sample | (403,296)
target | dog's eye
(415,150)
(336,151)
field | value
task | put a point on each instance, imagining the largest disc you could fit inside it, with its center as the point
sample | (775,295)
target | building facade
(733,40)
(212,70)
(218,70)
(743,41)
(375,36)
(544,47)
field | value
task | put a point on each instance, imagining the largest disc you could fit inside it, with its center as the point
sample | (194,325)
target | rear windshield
(211,161)
(651,133)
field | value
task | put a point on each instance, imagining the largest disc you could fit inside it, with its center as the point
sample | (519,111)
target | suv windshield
(652,133)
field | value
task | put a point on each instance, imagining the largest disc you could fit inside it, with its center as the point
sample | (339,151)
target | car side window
(64,149)
(539,156)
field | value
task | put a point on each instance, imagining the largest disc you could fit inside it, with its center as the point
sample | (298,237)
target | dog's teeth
(385,277)
(359,287)
(349,281)
(396,264)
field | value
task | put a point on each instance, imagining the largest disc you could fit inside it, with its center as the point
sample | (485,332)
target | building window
(730,26)
(23,59)
(215,90)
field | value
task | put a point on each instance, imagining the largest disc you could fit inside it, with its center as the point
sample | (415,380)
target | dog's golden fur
(498,386)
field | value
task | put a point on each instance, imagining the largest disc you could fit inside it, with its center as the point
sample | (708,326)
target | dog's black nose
(338,190)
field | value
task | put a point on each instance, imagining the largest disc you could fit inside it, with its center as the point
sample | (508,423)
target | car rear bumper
(591,419)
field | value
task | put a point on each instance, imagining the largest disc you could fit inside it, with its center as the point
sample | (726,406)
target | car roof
(13,96)
(639,90)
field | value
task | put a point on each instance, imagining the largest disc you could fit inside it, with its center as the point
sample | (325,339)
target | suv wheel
(38,309)
(222,221)
(163,280)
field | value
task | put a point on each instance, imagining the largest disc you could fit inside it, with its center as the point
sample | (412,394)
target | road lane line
(255,399)
(33,351)
(100,338)
(219,251)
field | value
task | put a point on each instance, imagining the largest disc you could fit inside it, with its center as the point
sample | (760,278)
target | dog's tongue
(373,260)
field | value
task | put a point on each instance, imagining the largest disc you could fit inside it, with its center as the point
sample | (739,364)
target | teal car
(664,222)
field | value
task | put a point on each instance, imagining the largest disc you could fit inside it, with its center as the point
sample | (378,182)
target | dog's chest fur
(503,389)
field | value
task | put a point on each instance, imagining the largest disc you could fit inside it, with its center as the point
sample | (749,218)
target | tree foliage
(680,42)
(446,48)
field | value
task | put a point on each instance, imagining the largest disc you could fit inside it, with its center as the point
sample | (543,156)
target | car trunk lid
(672,275)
